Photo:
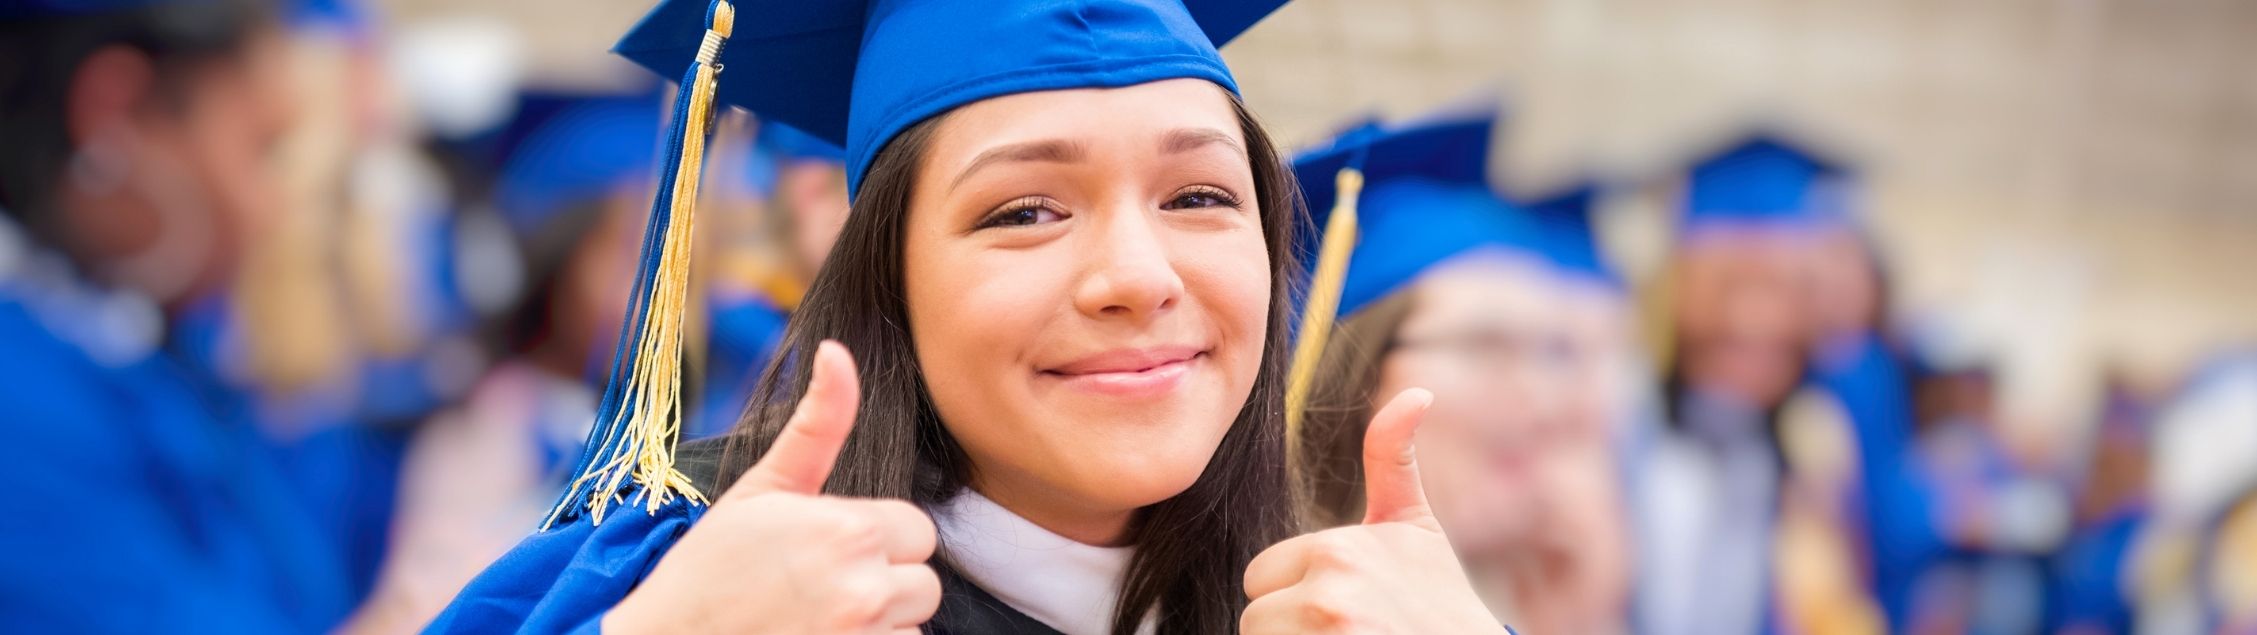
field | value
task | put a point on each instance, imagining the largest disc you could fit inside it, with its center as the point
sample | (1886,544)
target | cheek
(242,184)
(1229,277)
(973,317)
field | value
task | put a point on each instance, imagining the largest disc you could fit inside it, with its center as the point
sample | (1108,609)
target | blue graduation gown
(565,579)
(1870,383)
(140,506)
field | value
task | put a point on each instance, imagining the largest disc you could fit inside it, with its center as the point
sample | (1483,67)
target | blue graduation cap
(575,149)
(1427,200)
(1571,241)
(1765,180)
(854,74)
(347,16)
(857,73)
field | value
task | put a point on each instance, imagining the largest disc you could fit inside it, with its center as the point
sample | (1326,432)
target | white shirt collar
(1067,585)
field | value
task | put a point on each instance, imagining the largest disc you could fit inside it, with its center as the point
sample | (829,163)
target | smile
(1132,373)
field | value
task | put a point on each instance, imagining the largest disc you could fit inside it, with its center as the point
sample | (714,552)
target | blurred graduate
(1716,500)
(1454,289)
(145,163)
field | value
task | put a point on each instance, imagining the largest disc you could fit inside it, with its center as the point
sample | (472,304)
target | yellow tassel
(644,453)
(1324,300)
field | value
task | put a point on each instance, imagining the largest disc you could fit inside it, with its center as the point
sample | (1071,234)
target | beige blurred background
(2064,186)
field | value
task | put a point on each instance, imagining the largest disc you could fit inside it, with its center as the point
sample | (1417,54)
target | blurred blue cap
(1571,240)
(857,73)
(343,15)
(1765,180)
(576,149)
(1425,200)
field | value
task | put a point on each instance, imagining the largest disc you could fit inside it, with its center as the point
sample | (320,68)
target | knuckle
(1334,552)
(1326,613)
(854,532)
(858,601)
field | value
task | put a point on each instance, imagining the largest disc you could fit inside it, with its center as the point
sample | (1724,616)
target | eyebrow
(1176,141)
(1049,151)
(1183,140)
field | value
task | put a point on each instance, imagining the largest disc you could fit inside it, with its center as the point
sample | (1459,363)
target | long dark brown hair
(1191,550)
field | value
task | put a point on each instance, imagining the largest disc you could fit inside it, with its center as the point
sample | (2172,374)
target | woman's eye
(1020,215)
(1202,198)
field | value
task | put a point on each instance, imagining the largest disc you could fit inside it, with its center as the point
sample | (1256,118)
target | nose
(1127,272)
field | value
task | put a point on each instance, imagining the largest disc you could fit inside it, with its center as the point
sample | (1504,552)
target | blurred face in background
(174,174)
(1514,454)
(1486,336)
(590,305)
(1845,289)
(812,195)
(1742,314)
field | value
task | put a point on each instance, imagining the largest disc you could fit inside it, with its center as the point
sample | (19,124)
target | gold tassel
(1324,300)
(644,451)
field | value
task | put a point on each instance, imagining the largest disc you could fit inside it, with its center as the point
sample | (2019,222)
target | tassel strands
(630,454)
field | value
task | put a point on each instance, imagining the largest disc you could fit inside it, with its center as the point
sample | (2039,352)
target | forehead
(1484,286)
(1100,116)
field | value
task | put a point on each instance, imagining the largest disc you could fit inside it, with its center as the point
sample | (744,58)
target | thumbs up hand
(774,555)
(1395,573)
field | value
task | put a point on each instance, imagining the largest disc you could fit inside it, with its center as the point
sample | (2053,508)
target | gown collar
(1065,584)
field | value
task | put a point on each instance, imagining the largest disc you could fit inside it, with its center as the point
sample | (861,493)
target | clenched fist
(1395,573)
(774,555)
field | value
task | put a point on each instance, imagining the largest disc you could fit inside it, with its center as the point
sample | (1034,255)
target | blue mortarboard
(1572,242)
(576,149)
(1426,199)
(343,15)
(1764,180)
(858,73)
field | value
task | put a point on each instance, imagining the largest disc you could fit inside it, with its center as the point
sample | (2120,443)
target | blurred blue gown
(1870,382)
(145,505)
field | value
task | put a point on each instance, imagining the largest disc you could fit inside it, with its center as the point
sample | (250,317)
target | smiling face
(1743,318)
(1088,284)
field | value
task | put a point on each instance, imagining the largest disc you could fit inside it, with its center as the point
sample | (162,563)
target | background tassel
(1324,300)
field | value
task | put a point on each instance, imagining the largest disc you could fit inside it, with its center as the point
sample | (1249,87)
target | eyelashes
(1023,211)
(1202,196)
(1028,211)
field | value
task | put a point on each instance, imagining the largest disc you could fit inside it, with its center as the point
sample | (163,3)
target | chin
(1133,465)
(1143,453)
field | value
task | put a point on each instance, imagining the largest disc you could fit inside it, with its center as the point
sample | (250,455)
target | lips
(1127,360)
(1140,372)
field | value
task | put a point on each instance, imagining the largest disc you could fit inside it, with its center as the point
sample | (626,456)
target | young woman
(1454,289)
(1065,279)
